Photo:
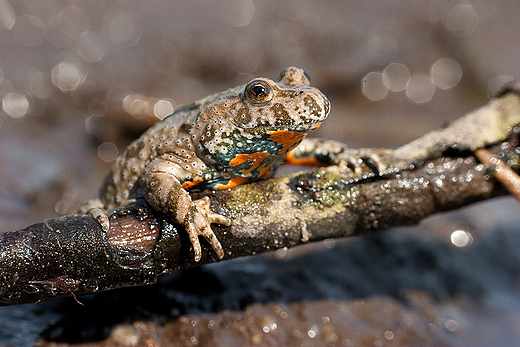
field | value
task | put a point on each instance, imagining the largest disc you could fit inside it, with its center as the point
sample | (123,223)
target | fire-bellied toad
(224,140)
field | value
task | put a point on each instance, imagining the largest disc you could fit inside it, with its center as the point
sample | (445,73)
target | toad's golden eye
(259,92)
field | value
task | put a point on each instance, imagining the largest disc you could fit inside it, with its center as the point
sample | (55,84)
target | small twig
(503,173)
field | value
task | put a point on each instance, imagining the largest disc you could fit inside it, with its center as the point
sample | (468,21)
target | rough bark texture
(437,172)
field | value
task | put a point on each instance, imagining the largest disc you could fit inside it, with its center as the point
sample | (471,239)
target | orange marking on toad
(232,183)
(255,158)
(194,182)
(290,159)
(287,138)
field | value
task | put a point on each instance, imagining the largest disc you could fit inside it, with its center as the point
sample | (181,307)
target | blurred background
(79,80)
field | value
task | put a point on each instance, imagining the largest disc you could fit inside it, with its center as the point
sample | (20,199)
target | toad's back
(162,137)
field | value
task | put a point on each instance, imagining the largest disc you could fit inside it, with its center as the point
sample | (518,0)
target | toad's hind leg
(163,191)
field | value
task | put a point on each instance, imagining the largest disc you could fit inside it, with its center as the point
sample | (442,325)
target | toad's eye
(259,92)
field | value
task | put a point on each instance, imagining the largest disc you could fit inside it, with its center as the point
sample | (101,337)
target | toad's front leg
(163,191)
(321,152)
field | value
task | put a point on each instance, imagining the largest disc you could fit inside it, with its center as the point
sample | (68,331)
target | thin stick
(503,173)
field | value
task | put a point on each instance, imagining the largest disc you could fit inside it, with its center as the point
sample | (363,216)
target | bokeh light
(420,88)
(67,76)
(451,325)
(461,20)
(91,46)
(46,11)
(446,73)
(136,105)
(107,151)
(163,108)
(498,83)
(39,85)
(7,15)
(71,22)
(374,86)
(382,49)
(5,87)
(237,13)
(461,238)
(396,77)
(15,105)
(121,28)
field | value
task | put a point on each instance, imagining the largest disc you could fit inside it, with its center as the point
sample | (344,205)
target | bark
(71,255)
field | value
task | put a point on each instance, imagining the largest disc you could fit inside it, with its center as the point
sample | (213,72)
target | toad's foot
(97,210)
(351,157)
(197,224)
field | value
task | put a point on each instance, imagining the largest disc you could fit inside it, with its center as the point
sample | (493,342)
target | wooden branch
(70,256)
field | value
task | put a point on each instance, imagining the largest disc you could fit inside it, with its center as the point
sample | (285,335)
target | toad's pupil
(258,91)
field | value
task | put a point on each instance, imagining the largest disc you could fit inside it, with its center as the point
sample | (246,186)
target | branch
(71,255)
